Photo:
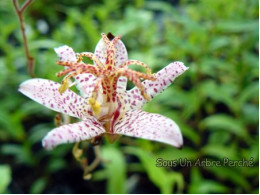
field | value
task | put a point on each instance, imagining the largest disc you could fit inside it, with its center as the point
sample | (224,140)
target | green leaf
(219,138)
(12,124)
(44,44)
(38,132)
(174,154)
(203,186)
(251,113)
(56,164)
(158,6)
(224,122)
(6,176)
(218,151)
(219,93)
(233,175)
(163,179)
(207,186)
(22,153)
(219,42)
(250,92)
(115,170)
(38,186)
(237,27)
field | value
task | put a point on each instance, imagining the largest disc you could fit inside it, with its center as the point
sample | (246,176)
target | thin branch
(20,11)
(25,5)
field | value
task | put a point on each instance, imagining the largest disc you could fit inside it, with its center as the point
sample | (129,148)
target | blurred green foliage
(215,102)
(5,172)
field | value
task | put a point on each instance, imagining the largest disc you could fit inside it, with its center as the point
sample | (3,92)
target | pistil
(108,75)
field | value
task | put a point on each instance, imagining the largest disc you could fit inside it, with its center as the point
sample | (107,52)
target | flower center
(106,103)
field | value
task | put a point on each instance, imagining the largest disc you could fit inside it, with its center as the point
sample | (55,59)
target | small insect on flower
(104,105)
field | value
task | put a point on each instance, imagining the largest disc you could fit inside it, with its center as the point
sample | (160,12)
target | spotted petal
(66,53)
(138,123)
(46,93)
(84,82)
(121,56)
(71,133)
(164,78)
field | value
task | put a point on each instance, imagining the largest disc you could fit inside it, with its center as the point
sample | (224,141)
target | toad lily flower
(104,105)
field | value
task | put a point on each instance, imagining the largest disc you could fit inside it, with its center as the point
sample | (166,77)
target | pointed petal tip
(176,145)
(137,123)
(164,78)
(65,53)
(71,133)
(180,65)
(179,142)
(20,88)
(46,93)
(178,138)
(120,56)
(61,48)
(47,144)
(180,147)
(23,87)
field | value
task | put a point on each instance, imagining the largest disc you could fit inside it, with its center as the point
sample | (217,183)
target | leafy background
(215,102)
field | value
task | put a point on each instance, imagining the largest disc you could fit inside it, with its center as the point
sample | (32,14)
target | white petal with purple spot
(164,78)
(46,93)
(81,131)
(121,56)
(84,82)
(66,53)
(137,123)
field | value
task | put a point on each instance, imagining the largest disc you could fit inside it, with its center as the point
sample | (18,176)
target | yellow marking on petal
(64,86)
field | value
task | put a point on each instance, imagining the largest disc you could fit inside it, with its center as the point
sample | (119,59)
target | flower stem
(20,11)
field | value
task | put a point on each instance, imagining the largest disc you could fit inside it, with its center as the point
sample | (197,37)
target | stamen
(105,39)
(64,72)
(91,56)
(131,62)
(65,63)
(96,108)
(64,86)
(107,74)
(116,39)
(79,58)
(134,77)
